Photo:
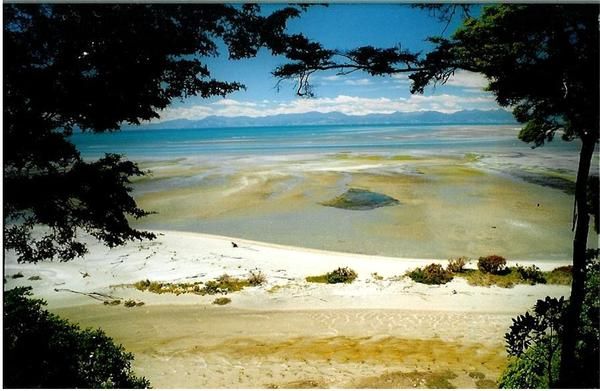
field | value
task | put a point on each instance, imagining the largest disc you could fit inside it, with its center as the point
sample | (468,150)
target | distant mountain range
(337,118)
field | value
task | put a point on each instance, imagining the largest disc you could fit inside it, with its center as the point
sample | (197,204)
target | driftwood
(94,295)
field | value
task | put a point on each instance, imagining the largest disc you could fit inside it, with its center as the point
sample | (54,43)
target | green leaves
(94,67)
(42,350)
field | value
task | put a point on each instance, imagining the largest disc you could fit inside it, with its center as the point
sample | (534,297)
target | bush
(42,350)
(432,274)
(222,301)
(562,275)
(531,273)
(257,278)
(530,370)
(534,343)
(341,275)
(457,265)
(493,264)
(17,275)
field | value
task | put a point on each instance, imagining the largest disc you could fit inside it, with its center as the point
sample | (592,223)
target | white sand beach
(380,331)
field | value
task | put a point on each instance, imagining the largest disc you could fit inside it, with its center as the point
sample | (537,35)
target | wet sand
(448,205)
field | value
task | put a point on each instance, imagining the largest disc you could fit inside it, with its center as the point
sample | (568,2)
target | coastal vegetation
(491,270)
(432,274)
(340,275)
(222,301)
(224,284)
(42,350)
(535,339)
(492,264)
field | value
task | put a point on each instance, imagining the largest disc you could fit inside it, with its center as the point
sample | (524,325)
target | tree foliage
(93,67)
(541,60)
(42,350)
(534,340)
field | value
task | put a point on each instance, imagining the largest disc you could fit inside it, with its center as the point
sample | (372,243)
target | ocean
(164,143)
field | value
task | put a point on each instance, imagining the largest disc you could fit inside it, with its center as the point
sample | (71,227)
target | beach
(382,330)
(288,203)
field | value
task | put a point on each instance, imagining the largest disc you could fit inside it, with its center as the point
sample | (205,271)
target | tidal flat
(448,205)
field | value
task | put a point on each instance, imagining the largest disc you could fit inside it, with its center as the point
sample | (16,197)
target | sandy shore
(376,332)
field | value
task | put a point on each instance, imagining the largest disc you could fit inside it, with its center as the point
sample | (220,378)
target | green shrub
(341,275)
(222,300)
(112,302)
(532,274)
(223,285)
(530,369)
(493,264)
(432,274)
(17,275)
(34,278)
(212,288)
(457,265)
(42,350)
(129,303)
(562,275)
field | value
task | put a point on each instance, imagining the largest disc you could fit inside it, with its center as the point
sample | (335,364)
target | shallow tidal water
(461,190)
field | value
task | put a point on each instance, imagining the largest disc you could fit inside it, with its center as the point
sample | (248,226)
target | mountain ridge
(497,116)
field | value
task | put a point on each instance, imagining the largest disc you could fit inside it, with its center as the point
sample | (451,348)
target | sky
(340,26)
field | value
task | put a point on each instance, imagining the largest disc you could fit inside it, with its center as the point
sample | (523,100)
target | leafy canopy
(92,67)
(42,350)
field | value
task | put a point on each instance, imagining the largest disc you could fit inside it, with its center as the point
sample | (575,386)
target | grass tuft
(340,275)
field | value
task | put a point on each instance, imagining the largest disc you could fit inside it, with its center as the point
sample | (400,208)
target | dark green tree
(42,350)
(93,67)
(542,61)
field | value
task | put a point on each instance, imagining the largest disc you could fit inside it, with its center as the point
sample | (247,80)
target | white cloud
(232,102)
(357,82)
(351,105)
(401,79)
(332,78)
(467,79)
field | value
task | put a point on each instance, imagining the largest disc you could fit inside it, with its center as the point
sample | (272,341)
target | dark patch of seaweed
(360,199)
(554,182)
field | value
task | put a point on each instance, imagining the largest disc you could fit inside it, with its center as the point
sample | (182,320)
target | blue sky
(340,26)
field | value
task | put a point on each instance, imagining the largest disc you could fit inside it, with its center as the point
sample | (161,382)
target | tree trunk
(568,364)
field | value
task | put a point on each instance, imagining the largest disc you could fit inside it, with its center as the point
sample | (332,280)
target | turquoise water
(176,143)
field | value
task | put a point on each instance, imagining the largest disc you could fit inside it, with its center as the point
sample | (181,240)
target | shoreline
(381,330)
(189,257)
